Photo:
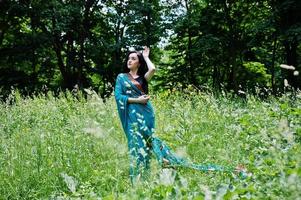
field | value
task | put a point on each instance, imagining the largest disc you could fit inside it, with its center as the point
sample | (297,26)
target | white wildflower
(167,176)
(241,92)
(292,179)
(88,91)
(95,131)
(285,130)
(289,67)
(70,181)
(184,182)
(207,193)
(296,73)
(222,190)
(181,152)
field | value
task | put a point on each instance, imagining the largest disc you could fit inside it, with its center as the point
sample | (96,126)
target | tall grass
(74,147)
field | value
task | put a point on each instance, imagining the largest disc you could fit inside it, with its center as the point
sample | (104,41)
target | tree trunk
(273,64)
(291,59)
(189,47)
(148,27)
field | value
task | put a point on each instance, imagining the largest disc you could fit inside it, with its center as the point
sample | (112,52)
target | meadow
(73,147)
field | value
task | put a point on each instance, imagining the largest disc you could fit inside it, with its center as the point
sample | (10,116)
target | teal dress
(138,122)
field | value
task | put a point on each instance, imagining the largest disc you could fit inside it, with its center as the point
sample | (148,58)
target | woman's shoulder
(121,75)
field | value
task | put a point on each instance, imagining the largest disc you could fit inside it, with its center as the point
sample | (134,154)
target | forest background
(210,44)
(59,60)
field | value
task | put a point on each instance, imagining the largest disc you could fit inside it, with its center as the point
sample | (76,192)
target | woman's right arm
(118,91)
(142,99)
(119,94)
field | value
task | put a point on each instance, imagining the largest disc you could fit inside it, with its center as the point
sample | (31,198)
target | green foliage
(201,43)
(257,74)
(71,147)
(67,43)
(211,41)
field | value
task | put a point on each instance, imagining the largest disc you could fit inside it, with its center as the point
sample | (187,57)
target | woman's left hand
(145,52)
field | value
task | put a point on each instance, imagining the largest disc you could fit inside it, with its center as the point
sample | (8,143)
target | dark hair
(142,68)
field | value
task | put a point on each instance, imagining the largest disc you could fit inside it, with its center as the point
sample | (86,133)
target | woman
(138,120)
(135,110)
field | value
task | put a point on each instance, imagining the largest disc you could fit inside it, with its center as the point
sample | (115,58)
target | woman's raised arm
(151,67)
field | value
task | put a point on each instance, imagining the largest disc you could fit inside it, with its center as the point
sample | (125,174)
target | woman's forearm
(133,100)
(143,99)
(150,65)
(151,69)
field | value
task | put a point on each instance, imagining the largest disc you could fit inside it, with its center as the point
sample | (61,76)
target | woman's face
(133,61)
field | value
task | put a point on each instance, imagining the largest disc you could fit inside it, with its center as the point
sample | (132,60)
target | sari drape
(138,122)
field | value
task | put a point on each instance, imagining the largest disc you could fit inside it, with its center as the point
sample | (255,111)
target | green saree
(138,122)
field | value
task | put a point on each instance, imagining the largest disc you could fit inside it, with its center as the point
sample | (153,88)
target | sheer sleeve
(121,100)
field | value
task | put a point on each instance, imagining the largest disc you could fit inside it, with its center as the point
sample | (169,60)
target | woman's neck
(134,73)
